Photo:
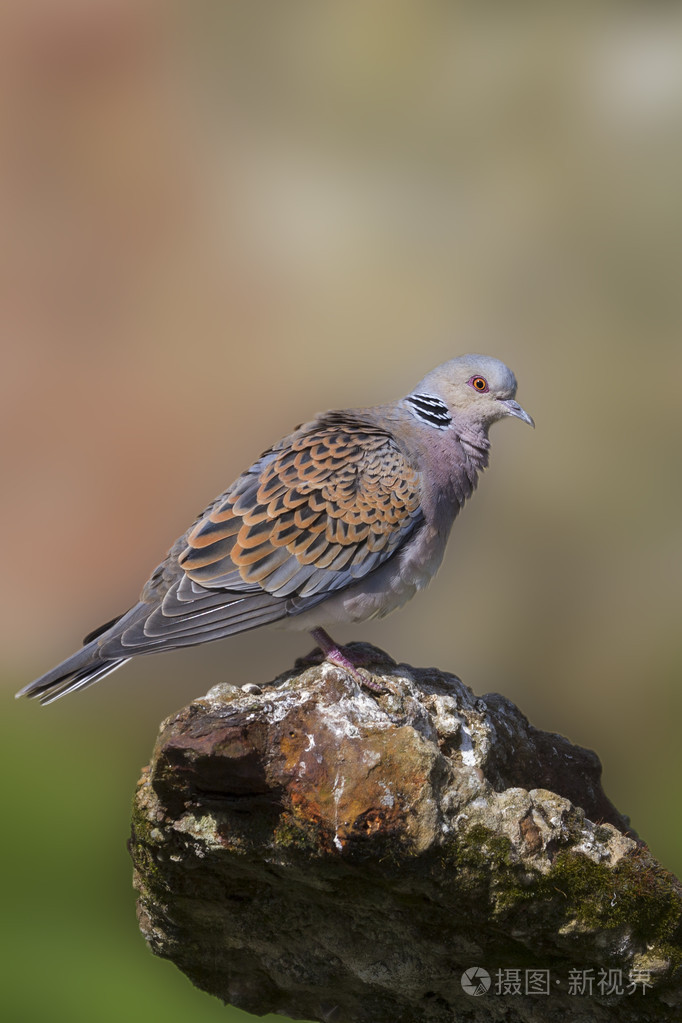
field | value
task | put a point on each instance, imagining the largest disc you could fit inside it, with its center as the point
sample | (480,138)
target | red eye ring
(479,384)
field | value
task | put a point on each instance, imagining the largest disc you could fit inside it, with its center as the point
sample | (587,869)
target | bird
(341,521)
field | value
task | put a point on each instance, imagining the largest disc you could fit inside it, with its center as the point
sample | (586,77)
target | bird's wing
(323,508)
(320,510)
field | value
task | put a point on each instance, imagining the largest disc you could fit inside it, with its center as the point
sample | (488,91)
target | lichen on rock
(317,850)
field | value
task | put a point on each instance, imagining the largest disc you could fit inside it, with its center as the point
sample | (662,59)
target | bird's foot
(361,675)
(351,661)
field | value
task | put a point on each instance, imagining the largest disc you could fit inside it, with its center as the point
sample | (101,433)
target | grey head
(471,392)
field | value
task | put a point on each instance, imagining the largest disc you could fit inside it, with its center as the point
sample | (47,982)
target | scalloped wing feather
(320,510)
(323,508)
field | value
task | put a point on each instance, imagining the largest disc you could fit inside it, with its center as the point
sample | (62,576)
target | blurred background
(219,218)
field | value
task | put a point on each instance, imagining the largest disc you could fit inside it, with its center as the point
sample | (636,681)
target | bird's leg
(332,652)
(336,654)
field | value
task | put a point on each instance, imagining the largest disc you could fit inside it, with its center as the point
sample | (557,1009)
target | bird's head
(477,390)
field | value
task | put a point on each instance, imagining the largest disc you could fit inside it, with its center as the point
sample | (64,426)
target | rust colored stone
(312,849)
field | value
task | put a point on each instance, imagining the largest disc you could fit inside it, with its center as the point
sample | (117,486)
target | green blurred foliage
(70,947)
(222,217)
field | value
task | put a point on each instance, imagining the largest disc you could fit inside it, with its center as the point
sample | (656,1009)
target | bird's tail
(76,672)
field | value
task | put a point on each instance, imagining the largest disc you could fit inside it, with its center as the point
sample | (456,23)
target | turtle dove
(341,521)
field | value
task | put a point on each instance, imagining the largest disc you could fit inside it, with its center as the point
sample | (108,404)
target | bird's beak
(512,408)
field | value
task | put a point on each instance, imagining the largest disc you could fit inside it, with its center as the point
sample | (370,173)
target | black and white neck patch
(430,409)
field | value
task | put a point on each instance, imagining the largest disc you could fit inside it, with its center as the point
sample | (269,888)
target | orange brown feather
(334,501)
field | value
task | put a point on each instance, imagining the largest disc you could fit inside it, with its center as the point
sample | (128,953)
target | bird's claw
(365,678)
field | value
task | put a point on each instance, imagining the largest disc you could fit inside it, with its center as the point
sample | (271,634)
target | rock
(331,854)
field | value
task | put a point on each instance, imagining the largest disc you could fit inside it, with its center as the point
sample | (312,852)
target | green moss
(477,861)
(652,902)
(637,894)
(602,834)
(294,832)
(478,850)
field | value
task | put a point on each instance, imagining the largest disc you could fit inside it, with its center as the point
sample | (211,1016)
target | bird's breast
(384,590)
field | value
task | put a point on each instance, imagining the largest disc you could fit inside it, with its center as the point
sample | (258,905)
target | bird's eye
(479,384)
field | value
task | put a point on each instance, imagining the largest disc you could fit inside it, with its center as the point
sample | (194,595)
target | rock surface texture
(332,854)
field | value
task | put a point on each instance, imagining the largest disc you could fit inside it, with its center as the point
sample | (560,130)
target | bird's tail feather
(76,672)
